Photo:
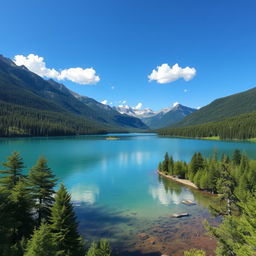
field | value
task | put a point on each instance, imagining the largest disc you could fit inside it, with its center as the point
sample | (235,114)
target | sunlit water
(116,191)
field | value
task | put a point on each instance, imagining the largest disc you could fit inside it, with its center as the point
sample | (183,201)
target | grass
(252,140)
(210,138)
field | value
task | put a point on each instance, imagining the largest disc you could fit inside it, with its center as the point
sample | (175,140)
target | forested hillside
(32,106)
(238,127)
(219,109)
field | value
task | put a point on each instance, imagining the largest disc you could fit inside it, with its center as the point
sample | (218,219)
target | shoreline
(182,181)
(214,138)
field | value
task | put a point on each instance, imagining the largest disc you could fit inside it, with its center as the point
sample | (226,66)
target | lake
(117,193)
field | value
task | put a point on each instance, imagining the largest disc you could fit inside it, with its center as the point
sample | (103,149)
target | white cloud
(175,104)
(185,90)
(80,75)
(105,102)
(138,106)
(165,74)
(37,65)
(198,108)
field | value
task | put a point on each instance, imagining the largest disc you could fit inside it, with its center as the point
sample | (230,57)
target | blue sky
(123,41)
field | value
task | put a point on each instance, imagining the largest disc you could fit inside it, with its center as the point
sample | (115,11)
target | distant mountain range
(51,108)
(158,119)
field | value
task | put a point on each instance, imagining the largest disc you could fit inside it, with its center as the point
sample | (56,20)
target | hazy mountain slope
(219,109)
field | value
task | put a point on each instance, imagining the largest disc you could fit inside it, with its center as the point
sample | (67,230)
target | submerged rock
(180,215)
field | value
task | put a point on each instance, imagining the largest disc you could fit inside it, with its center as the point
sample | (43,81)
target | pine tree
(244,163)
(236,158)
(5,224)
(64,225)
(226,203)
(165,163)
(41,243)
(93,250)
(170,166)
(20,212)
(101,249)
(42,182)
(12,173)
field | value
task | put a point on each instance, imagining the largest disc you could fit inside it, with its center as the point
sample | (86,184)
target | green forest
(233,180)
(34,219)
(17,120)
(239,127)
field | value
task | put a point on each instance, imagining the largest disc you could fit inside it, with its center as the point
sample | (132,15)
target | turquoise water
(114,186)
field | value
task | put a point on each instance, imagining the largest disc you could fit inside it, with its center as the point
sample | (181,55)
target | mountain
(168,116)
(125,109)
(219,109)
(159,119)
(238,127)
(23,90)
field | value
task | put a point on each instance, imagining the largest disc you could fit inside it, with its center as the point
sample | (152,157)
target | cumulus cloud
(138,106)
(37,65)
(105,102)
(165,74)
(175,104)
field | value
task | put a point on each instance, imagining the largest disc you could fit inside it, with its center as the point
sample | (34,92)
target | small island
(112,138)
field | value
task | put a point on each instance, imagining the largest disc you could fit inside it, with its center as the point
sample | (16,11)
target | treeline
(34,219)
(16,120)
(207,173)
(238,127)
(234,180)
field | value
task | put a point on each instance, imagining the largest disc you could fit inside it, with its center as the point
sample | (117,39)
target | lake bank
(182,181)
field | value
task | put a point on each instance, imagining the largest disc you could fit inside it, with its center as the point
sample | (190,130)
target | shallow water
(117,193)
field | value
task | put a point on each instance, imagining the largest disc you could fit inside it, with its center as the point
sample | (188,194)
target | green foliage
(42,183)
(17,214)
(239,127)
(64,225)
(12,173)
(236,158)
(165,163)
(101,249)
(194,252)
(41,243)
(231,106)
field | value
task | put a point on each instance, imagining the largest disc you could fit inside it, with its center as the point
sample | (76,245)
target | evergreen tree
(64,225)
(93,250)
(42,182)
(5,224)
(170,166)
(41,243)
(244,163)
(236,158)
(226,187)
(20,212)
(101,249)
(165,163)
(12,173)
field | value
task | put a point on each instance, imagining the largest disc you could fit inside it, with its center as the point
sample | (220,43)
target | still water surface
(117,193)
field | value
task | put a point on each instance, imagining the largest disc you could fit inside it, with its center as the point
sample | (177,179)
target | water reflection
(168,192)
(84,194)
